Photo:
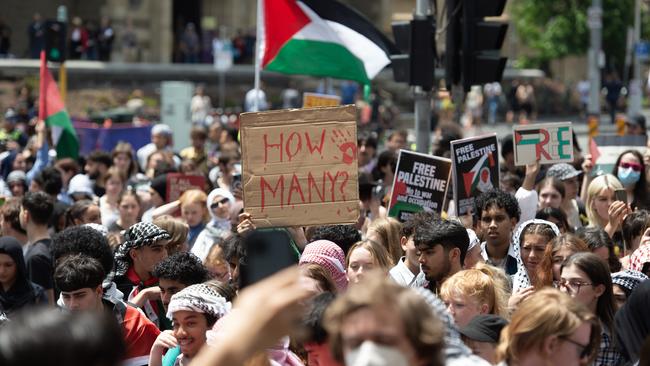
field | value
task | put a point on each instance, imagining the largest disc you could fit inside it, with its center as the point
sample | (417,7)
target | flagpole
(42,86)
(258,45)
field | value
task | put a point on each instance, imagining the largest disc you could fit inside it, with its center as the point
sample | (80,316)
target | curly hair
(496,198)
(82,240)
(416,220)
(183,267)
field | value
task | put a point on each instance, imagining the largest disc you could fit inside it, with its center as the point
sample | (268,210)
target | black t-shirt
(40,266)
(99,191)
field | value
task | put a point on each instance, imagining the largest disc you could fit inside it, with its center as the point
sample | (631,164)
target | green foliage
(553,29)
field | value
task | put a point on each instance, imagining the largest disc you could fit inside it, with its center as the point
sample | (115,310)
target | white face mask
(372,354)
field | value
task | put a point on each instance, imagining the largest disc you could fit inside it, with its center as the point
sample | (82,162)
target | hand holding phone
(620,195)
(267,252)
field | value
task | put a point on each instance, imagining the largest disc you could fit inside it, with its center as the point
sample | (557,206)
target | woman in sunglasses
(586,278)
(549,328)
(219,203)
(630,170)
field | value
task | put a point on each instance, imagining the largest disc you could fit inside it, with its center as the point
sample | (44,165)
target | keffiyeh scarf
(520,280)
(200,298)
(137,236)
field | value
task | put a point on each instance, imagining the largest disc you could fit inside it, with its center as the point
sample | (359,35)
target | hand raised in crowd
(531,175)
(245,225)
(165,341)
(617,212)
(250,327)
(587,165)
(519,296)
(645,238)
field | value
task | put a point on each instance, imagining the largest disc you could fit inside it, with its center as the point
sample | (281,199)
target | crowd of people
(548,269)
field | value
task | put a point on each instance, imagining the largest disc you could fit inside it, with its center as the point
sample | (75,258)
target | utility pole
(62,16)
(422,96)
(595,23)
(634,107)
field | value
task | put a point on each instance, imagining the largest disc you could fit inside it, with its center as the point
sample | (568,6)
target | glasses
(585,349)
(636,167)
(573,287)
(222,201)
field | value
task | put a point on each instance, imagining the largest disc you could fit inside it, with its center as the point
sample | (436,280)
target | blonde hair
(596,186)
(115,172)
(389,230)
(545,313)
(377,251)
(484,283)
(176,228)
(198,197)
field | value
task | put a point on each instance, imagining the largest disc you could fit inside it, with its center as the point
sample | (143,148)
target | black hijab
(22,292)
(632,322)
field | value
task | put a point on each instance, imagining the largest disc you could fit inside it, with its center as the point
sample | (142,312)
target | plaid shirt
(607,353)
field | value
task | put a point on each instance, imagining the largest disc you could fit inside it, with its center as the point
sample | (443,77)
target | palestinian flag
(321,38)
(52,109)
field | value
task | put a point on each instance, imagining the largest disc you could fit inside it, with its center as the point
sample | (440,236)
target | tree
(553,29)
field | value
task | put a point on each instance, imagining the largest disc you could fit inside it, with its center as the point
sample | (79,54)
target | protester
(80,280)
(602,245)
(114,182)
(482,334)
(386,231)
(586,278)
(330,257)
(549,328)
(144,246)
(557,251)
(218,205)
(557,217)
(316,343)
(80,188)
(16,290)
(17,183)
(35,215)
(10,221)
(96,168)
(178,231)
(632,324)
(635,233)
(631,172)
(129,207)
(441,246)
(599,199)
(569,176)
(83,212)
(473,292)
(529,243)
(192,206)
(124,159)
(158,194)
(317,279)
(370,322)
(161,136)
(216,263)
(364,257)
(624,283)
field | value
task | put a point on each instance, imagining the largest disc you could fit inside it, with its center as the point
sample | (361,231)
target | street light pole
(422,97)
(595,25)
(634,107)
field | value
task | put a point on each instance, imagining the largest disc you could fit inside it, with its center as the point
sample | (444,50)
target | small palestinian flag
(51,109)
(321,38)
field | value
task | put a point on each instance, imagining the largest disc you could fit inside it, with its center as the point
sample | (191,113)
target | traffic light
(481,41)
(55,37)
(416,40)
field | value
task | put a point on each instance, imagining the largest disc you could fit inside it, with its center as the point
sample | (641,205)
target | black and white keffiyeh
(520,280)
(137,236)
(628,279)
(200,298)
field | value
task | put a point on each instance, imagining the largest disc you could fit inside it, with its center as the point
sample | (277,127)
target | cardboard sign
(300,166)
(549,143)
(420,184)
(605,150)
(310,100)
(475,167)
(178,183)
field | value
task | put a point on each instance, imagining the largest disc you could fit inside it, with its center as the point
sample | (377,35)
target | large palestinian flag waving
(321,38)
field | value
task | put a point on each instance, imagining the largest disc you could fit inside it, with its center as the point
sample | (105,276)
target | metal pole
(259,47)
(595,25)
(634,107)
(422,97)
(63,81)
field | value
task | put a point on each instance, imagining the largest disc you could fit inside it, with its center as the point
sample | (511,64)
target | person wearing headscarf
(329,256)
(16,290)
(144,246)
(219,202)
(529,242)
(624,283)
(193,310)
(632,324)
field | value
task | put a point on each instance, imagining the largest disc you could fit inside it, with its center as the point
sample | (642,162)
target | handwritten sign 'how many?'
(300,166)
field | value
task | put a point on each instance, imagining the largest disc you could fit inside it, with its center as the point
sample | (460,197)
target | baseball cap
(562,171)
(484,328)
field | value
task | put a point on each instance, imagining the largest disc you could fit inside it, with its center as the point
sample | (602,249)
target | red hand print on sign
(347,148)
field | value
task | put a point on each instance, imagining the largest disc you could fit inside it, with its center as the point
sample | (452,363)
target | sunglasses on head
(636,167)
(222,201)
